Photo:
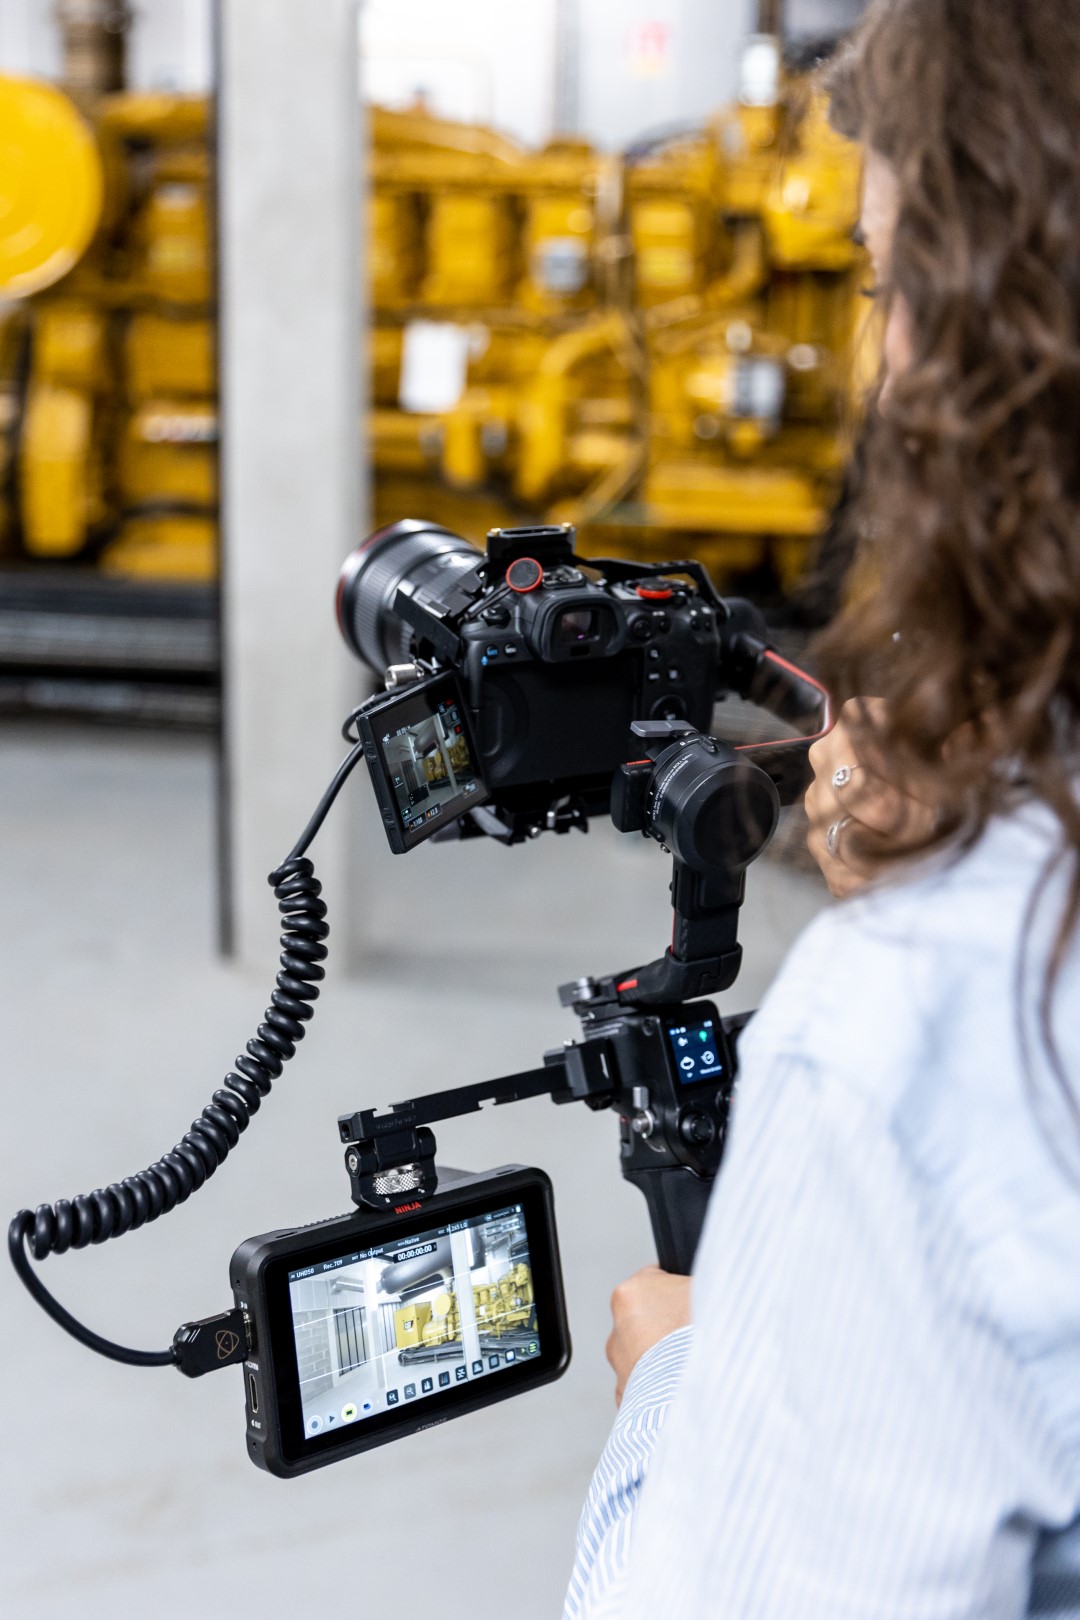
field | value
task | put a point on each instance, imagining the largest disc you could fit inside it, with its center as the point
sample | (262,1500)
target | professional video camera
(556,656)
(518,681)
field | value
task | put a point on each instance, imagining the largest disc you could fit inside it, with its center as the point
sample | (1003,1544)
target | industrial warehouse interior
(429,445)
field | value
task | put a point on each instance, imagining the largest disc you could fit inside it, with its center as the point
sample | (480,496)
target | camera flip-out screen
(369,1328)
(423,761)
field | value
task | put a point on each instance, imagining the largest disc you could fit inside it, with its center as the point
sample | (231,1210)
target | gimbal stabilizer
(715,812)
(661,1059)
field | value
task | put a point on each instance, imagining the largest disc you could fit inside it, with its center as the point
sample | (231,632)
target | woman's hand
(851,792)
(646,1308)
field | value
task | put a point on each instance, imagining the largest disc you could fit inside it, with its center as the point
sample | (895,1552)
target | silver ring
(832,837)
(843,776)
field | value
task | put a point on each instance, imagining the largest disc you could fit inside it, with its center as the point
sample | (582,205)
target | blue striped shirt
(876,1415)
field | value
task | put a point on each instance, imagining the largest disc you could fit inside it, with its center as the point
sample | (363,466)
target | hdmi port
(253,1394)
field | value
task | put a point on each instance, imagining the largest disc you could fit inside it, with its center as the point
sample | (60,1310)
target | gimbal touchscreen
(699,1048)
(392,1325)
(426,762)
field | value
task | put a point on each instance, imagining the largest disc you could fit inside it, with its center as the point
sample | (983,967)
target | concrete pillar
(290,183)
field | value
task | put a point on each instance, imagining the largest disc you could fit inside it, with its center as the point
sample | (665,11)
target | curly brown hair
(968,496)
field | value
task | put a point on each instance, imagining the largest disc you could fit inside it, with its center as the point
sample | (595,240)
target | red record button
(524,574)
(654,593)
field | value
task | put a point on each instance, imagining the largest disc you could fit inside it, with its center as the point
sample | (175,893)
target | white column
(290,183)
(461,1252)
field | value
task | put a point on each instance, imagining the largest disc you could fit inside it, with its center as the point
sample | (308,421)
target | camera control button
(641,628)
(510,649)
(661,623)
(654,655)
(697,1130)
(674,675)
(652,676)
(655,593)
(524,574)
(496,615)
(491,652)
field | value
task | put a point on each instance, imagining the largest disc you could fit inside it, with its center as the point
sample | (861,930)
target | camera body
(556,657)
(372,1325)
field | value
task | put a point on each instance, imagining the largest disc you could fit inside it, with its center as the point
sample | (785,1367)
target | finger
(841,878)
(845,787)
(885,809)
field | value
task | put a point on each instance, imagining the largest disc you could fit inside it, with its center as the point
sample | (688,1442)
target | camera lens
(413,550)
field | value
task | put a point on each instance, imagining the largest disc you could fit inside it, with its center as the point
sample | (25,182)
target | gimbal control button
(697,1130)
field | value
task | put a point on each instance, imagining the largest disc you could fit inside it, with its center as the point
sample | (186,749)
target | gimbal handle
(677,1201)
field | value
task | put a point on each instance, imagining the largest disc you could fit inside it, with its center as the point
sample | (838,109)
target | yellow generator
(657,347)
(111,368)
(501,1309)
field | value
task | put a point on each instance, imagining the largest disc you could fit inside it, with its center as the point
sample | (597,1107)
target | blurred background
(272,275)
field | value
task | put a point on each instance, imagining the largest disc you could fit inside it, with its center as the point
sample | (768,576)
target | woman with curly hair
(875,1413)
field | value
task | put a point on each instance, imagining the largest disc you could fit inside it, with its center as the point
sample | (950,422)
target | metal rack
(76,645)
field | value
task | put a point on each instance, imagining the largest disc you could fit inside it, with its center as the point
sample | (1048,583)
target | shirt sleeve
(851,1437)
(607,1518)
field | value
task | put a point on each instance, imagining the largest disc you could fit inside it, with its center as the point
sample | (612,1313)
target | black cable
(126,1205)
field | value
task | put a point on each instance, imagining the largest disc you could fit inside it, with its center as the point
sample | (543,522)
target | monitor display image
(393,1324)
(429,764)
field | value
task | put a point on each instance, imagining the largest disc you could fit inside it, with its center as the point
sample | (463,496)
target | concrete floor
(129,1490)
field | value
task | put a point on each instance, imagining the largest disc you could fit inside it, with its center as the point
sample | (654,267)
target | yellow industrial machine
(502,1308)
(107,373)
(657,347)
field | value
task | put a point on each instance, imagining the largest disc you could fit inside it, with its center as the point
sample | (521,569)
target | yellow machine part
(409,1324)
(812,205)
(50,186)
(59,500)
(670,239)
(173,547)
(168,454)
(167,355)
(558,245)
(69,345)
(749,138)
(176,230)
(471,250)
(394,247)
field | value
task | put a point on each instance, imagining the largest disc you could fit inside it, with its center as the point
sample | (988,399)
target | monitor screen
(385,1327)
